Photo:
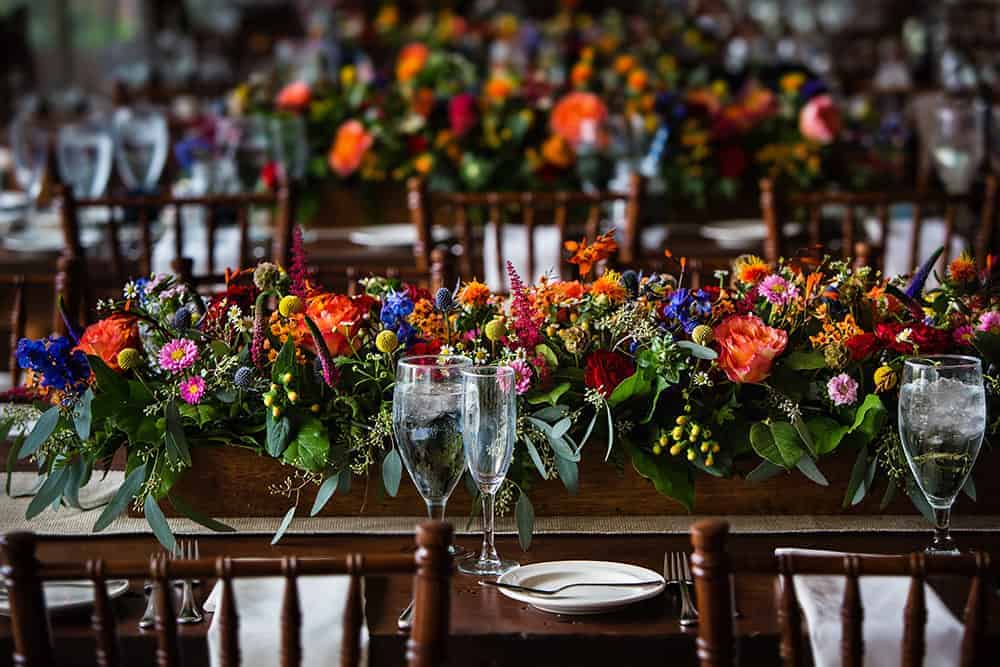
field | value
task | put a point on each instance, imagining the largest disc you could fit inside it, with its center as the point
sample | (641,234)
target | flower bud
(275,412)
(292,396)
(702,334)
(243,377)
(676,449)
(286,378)
(314,408)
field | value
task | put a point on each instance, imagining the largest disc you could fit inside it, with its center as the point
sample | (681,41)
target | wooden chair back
(712,567)
(776,211)
(438,274)
(145,207)
(534,209)
(431,566)
(14,294)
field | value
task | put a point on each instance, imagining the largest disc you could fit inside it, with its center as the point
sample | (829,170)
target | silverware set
(677,570)
(189,612)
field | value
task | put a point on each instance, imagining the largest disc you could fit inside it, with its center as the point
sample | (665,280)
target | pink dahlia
(192,389)
(842,389)
(989,321)
(178,355)
(777,290)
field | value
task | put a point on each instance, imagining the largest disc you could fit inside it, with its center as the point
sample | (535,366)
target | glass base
(942,544)
(486,568)
(458,551)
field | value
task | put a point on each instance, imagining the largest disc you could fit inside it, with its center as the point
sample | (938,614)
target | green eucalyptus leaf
(75,478)
(82,415)
(552,413)
(326,491)
(611,433)
(49,493)
(158,522)
(918,500)
(856,484)
(569,473)
(807,466)
(561,427)
(122,498)
(525,513)
(697,351)
(173,438)
(969,488)
(344,482)
(890,493)
(590,429)
(44,427)
(181,506)
(765,470)
(392,472)
(535,456)
(285,523)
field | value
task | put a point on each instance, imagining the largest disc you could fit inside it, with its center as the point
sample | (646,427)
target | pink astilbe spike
(298,271)
(329,370)
(259,326)
(525,326)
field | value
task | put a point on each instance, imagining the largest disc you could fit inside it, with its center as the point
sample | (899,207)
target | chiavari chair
(712,567)
(14,294)
(532,209)
(431,566)
(437,275)
(776,210)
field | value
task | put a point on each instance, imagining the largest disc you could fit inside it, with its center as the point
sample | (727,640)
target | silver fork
(189,612)
(678,571)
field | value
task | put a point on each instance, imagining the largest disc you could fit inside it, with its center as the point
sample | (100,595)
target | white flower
(131,290)
(905,335)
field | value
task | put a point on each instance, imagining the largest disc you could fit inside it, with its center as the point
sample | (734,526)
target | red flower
(106,338)
(269,174)
(416,144)
(915,338)
(425,347)
(861,346)
(732,161)
(462,113)
(605,370)
(417,293)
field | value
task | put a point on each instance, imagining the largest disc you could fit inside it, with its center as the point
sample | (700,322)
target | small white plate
(392,235)
(581,600)
(69,595)
(736,234)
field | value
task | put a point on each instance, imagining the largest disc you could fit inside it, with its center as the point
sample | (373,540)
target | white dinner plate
(11,200)
(394,235)
(581,600)
(69,595)
(736,234)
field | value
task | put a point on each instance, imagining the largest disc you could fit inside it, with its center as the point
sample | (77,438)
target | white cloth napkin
(883,600)
(258,606)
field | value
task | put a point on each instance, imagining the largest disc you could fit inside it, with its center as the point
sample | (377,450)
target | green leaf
(181,506)
(82,415)
(778,443)
(278,433)
(970,488)
(801,360)
(108,381)
(611,433)
(765,470)
(546,353)
(559,445)
(75,478)
(285,361)
(890,493)
(326,491)
(632,386)
(698,351)
(856,483)
(807,467)
(590,429)
(561,427)
(534,456)
(285,523)
(551,414)
(805,437)
(551,397)
(344,485)
(669,478)
(158,522)
(44,427)
(658,389)
(126,492)
(869,418)
(827,433)
(50,492)
(525,520)
(569,473)
(310,446)
(918,500)
(392,472)
(177,447)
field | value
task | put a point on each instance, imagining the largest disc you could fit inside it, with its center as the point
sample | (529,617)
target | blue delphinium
(54,359)
(396,306)
(688,309)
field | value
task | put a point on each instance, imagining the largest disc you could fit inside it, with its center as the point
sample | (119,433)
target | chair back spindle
(229,620)
(291,616)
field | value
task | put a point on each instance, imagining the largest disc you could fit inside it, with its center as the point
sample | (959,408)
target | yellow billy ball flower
(702,334)
(496,330)
(677,433)
(657,450)
(268,400)
(704,448)
(885,378)
(129,358)
(709,460)
(386,342)
(681,420)
(691,455)
(290,305)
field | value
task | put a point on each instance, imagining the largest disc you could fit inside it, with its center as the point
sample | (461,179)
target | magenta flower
(178,355)
(842,389)
(777,290)
(989,321)
(522,375)
(963,335)
(192,389)
(525,326)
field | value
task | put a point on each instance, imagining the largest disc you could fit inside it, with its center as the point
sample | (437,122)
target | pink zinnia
(522,375)
(777,290)
(193,389)
(989,321)
(963,334)
(178,354)
(842,389)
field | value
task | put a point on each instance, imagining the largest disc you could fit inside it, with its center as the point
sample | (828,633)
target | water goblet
(942,419)
(427,423)
(956,144)
(141,139)
(489,427)
(30,147)
(84,157)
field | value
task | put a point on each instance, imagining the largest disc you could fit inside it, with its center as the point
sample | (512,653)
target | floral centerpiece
(773,369)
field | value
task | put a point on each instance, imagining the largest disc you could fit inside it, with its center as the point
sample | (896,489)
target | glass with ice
(942,420)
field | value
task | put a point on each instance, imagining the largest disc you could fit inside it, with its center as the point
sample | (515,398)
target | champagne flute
(427,423)
(489,427)
(141,140)
(942,420)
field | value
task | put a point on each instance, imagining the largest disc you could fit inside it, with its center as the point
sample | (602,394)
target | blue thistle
(182,318)
(444,301)
(243,377)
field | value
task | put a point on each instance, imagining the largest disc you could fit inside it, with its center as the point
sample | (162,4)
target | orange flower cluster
(349,147)
(428,321)
(579,117)
(412,59)
(962,269)
(587,256)
(833,331)
(553,294)
(107,337)
(751,269)
(610,286)
(475,294)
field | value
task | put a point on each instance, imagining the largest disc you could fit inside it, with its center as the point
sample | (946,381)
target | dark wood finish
(226,481)
(431,569)
(712,567)
(438,275)
(776,210)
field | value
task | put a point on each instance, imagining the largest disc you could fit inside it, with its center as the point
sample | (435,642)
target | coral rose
(605,370)
(338,317)
(349,147)
(294,97)
(108,337)
(411,60)
(579,118)
(747,347)
(819,120)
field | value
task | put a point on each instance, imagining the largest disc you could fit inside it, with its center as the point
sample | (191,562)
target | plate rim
(119,589)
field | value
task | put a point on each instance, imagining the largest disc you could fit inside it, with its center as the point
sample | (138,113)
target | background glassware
(489,427)
(253,150)
(956,144)
(291,147)
(427,422)
(30,145)
(141,140)
(84,158)
(942,419)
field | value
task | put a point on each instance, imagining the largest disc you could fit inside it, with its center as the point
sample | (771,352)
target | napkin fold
(884,601)
(258,607)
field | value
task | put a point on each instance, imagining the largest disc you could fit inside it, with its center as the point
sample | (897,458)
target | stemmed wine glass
(942,420)
(141,140)
(291,147)
(30,145)
(427,422)
(253,149)
(956,144)
(84,157)
(489,426)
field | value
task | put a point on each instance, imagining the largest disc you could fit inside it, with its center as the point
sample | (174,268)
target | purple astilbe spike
(259,327)
(298,271)
(916,286)
(525,326)
(323,354)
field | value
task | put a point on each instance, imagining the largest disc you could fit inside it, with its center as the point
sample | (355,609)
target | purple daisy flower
(192,389)
(178,355)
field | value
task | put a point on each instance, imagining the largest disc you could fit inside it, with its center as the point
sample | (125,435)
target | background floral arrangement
(776,366)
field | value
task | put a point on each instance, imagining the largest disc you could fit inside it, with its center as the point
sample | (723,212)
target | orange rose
(579,117)
(108,337)
(349,147)
(580,74)
(411,60)
(747,347)
(337,316)
(499,88)
(294,96)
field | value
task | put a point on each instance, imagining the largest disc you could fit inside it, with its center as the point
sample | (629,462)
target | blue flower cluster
(688,309)
(396,307)
(55,360)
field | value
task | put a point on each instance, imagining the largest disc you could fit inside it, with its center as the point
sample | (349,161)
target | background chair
(712,567)
(23,576)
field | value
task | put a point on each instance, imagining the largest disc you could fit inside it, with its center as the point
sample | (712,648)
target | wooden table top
(488,628)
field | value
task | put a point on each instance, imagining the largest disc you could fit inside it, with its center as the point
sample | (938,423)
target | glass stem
(435,511)
(489,552)
(942,524)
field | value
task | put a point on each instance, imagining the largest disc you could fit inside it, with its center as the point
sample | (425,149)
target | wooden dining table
(487,628)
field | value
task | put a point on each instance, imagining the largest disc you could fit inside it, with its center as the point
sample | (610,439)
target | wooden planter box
(235,482)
